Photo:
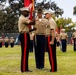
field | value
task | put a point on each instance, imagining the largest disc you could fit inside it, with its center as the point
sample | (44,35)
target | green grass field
(10,62)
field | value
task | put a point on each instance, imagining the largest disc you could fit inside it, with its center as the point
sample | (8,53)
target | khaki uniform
(21,24)
(41,25)
(63,37)
(51,48)
(11,40)
(74,38)
(74,35)
(52,25)
(32,36)
(25,41)
(40,41)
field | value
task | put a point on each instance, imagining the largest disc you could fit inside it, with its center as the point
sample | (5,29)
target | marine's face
(46,15)
(39,15)
(25,13)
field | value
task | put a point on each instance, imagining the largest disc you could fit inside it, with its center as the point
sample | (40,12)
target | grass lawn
(10,62)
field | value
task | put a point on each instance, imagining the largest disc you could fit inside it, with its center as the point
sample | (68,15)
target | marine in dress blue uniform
(40,40)
(24,37)
(63,38)
(51,38)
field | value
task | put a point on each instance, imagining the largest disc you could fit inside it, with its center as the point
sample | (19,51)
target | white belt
(24,32)
(40,34)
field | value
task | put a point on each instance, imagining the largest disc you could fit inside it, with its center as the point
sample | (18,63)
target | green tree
(49,5)
(9,16)
(8,21)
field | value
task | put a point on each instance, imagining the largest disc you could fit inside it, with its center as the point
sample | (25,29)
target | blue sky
(67,6)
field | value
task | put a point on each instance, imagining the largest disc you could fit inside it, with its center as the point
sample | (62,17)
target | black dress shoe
(38,67)
(28,71)
(41,67)
(52,71)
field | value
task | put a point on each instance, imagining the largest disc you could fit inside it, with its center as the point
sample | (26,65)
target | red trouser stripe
(24,55)
(51,54)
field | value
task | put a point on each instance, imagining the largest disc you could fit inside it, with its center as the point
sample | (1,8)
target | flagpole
(33,4)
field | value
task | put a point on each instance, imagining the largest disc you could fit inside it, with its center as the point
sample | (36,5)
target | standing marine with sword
(51,36)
